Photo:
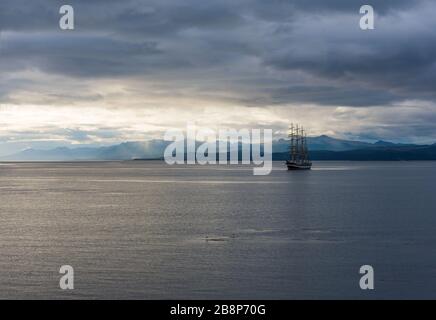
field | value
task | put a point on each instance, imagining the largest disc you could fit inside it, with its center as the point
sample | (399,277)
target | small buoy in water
(215,239)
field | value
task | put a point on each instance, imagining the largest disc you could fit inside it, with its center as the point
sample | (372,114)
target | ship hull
(297,166)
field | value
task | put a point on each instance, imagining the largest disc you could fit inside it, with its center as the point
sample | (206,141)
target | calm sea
(146,230)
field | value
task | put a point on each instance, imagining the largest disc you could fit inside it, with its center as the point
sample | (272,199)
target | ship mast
(292,136)
(299,151)
(304,148)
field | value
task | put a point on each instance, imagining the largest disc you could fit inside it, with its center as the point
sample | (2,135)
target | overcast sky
(133,68)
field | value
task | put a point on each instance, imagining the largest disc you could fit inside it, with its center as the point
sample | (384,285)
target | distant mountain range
(321,148)
(326,143)
(376,153)
(125,151)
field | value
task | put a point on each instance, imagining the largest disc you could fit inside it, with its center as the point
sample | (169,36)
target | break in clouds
(131,69)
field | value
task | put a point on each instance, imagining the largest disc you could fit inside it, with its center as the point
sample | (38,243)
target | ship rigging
(299,152)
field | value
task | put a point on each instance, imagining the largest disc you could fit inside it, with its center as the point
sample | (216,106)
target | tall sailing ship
(299,152)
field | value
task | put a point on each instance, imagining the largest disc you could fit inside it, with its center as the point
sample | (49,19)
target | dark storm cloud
(79,54)
(265,52)
(398,59)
